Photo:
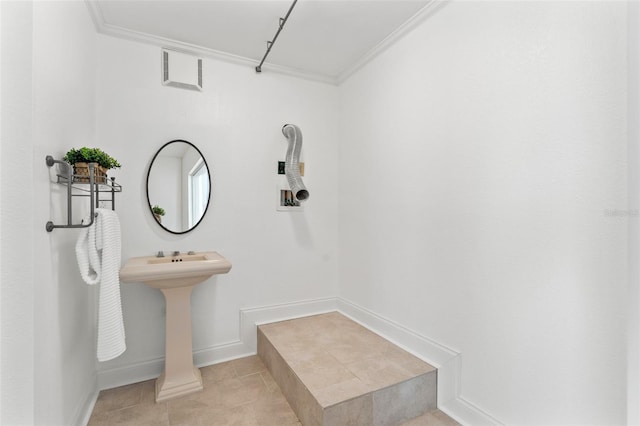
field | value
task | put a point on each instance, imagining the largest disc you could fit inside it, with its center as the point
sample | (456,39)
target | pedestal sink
(176,276)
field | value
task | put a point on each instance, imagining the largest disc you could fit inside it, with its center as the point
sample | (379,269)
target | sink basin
(174,271)
(175,277)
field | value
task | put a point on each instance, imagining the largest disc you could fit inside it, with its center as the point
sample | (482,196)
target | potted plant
(158,212)
(80,159)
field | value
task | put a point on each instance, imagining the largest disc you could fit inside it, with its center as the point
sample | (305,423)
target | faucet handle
(176,253)
(191,252)
(160,254)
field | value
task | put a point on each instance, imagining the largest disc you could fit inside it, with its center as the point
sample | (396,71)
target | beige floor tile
(236,416)
(148,392)
(295,347)
(249,365)
(185,412)
(274,410)
(100,418)
(320,378)
(231,392)
(254,386)
(342,362)
(342,391)
(286,332)
(140,415)
(433,418)
(119,398)
(356,412)
(218,372)
(250,400)
(311,360)
(406,400)
(243,392)
(406,361)
(378,373)
(269,382)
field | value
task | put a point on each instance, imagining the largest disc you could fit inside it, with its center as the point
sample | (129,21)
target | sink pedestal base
(166,390)
(180,377)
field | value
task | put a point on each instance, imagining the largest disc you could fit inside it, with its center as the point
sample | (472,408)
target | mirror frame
(210,186)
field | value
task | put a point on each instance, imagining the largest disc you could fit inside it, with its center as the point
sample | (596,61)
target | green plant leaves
(91,155)
(158,210)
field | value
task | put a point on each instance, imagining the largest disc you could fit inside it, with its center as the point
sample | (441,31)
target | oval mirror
(178,186)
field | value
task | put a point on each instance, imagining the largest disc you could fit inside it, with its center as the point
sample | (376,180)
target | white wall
(16,244)
(479,158)
(64,81)
(49,372)
(633,320)
(236,122)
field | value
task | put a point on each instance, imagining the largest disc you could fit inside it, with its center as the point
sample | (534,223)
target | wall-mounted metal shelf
(77,186)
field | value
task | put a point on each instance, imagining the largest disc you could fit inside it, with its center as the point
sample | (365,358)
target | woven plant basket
(81,173)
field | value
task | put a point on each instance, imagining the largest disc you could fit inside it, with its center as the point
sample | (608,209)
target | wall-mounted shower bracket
(270,43)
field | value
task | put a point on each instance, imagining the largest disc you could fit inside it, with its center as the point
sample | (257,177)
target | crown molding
(116,31)
(124,33)
(418,18)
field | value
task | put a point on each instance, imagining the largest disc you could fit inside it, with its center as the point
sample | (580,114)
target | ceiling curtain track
(270,43)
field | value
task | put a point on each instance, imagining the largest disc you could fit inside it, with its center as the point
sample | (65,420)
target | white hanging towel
(98,254)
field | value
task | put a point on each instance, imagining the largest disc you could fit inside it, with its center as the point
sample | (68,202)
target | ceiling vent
(181,70)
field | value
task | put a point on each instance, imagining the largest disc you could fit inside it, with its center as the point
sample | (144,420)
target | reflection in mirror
(179,183)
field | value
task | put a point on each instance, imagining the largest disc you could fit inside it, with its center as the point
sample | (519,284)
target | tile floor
(338,359)
(239,392)
(333,371)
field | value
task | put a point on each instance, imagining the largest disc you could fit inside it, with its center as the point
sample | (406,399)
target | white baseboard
(219,353)
(131,373)
(447,360)
(246,345)
(85,404)
(83,414)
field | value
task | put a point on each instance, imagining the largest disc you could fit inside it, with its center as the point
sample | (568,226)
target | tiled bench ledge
(333,372)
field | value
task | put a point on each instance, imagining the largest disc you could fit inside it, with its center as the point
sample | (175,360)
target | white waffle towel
(98,254)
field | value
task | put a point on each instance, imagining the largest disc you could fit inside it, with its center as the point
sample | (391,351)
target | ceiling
(322,39)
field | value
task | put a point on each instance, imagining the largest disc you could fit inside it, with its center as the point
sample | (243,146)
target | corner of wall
(85,405)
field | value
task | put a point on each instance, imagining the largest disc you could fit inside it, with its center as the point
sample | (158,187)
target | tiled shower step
(334,372)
